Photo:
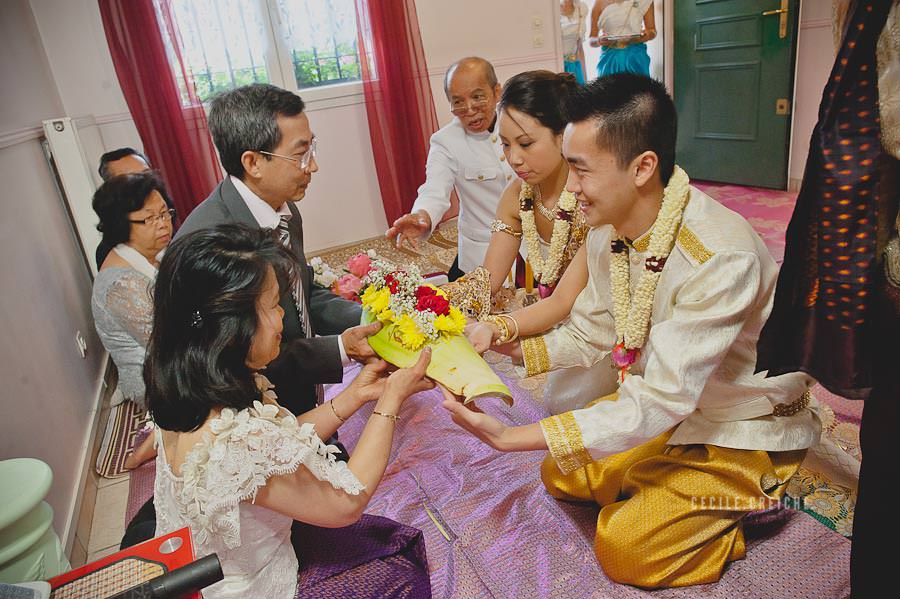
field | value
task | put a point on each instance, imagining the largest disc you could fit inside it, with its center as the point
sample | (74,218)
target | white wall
(815,57)
(48,391)
(502,31)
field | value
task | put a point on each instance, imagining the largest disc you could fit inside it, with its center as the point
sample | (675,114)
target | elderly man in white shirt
(465,154)
(678,290)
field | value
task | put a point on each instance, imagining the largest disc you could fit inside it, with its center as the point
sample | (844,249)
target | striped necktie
(284,235)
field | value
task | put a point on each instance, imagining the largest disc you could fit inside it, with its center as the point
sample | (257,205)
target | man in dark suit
(268,150)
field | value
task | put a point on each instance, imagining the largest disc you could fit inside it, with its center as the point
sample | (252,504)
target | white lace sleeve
(249,447)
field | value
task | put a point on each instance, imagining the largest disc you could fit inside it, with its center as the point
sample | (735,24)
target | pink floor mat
(767,210)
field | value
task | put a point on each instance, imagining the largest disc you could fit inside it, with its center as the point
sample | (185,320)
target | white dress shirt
(269,218)
(474,164)
(696,369)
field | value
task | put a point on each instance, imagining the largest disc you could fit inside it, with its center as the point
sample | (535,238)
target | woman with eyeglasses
(137,223)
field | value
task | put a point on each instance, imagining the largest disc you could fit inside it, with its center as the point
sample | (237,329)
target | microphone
(179,582)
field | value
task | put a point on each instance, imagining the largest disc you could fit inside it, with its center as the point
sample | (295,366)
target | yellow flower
(376,301)
(409,334)
(452,324)
(385,315)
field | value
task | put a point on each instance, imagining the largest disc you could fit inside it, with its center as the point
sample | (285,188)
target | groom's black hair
(633,114)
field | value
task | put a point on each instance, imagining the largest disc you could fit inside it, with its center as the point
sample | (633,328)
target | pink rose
(348,287)
(359,265)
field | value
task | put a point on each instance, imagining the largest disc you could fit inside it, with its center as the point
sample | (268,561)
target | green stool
(29,547)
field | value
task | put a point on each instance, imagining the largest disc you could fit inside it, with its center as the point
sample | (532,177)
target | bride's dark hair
(539,94)
(204,319)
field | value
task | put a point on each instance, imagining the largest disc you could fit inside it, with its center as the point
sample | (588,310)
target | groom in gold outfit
(678,290)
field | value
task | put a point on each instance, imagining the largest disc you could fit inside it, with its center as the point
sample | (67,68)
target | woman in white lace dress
(239,469)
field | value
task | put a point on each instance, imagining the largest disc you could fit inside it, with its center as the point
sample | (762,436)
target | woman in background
(572,19)
(239,469)
(622,28)
(136,222)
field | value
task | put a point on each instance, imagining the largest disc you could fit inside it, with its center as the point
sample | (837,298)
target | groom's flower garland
(421,311)
(632,314)
(547,271)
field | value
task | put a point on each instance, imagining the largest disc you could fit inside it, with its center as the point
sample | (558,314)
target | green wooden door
(733,84)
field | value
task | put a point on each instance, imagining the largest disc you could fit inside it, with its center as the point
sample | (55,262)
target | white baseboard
(86,467)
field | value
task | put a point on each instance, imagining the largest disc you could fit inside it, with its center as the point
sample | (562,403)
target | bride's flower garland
(632,314)
(546,271)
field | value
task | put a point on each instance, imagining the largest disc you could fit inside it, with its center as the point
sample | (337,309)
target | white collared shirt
(266,216)
(474,164)
(269,218)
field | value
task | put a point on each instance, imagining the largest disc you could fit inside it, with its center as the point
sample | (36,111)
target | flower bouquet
(415,314)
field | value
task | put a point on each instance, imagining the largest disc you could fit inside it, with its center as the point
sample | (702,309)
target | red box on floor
(126,569)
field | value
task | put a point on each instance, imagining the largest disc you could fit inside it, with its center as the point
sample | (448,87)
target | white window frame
(281,68)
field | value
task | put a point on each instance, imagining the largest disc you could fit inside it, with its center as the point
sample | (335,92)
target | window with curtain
(295,44)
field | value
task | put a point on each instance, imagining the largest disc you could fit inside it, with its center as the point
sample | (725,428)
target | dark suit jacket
(303,362)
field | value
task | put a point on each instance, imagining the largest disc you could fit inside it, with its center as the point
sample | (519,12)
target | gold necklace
(548,213)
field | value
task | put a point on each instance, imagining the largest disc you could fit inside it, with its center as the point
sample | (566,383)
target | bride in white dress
(232,464)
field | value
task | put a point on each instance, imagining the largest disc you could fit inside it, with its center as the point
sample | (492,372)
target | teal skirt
(574,67)
(630,59)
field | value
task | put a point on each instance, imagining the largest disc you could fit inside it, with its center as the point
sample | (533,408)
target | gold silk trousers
(671,514)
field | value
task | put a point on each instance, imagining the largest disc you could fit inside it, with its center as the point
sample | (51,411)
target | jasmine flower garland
(546,271)
(632,313)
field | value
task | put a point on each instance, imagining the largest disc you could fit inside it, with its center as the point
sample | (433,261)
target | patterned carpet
(769,212)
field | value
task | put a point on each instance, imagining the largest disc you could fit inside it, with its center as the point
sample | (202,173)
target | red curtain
(175,136)
(398,99)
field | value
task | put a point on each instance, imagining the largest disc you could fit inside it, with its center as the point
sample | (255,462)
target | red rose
(423,291)
(437,304)
(391,282)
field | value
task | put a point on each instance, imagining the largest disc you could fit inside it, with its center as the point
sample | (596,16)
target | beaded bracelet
(393,417)
(338,416)
(501,324)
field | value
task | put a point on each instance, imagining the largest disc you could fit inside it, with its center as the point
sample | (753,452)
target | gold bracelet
(515,334)
(498,226)
(338,416)
(501,324)
(393,417)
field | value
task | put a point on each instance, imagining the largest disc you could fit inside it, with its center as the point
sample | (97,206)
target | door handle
(782,19)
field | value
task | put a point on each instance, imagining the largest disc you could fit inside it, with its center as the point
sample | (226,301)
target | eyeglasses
(459,108)
(305,159)
(162,217)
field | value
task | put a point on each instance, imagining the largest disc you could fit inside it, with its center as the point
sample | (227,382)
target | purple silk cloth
(510,539)
(375,558)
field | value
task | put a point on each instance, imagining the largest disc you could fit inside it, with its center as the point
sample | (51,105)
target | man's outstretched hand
(409,228)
